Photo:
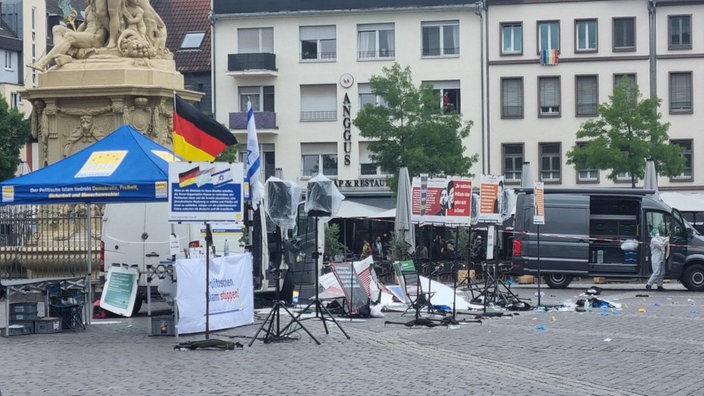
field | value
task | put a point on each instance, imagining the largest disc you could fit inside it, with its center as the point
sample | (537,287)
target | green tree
(333,246)
(411,129)
(627,132)
(229,154)
(14,132)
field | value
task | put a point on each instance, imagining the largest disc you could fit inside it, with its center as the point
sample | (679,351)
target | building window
(268,158)
(512,97)
(192,40)
(15,100)
(376,41)
(449,92)
(628,77)
(513,162)
(624,34)
(8,60)
(686,147)
(680,31)
(262,98)
(312,162)
(511,38)
(548,35)
(586,35)
(587,175)
(315,156)
(549,96)
(681,92)
(367,166)
(255,41)
(367,97)
(550,162)
(318,43)
(369,169)
(623,177)
(319,102)
(441,38)
(586,95)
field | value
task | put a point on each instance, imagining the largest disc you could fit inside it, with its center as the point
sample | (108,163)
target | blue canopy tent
(124,166)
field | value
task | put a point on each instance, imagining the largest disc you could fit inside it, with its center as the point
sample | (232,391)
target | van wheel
(137,305)
(693,278)
(557,281)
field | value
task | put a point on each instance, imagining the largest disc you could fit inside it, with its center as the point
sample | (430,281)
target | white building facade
(535,109)
(306,65)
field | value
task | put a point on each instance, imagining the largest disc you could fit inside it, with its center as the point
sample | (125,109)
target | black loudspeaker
(319,198)
(278,196)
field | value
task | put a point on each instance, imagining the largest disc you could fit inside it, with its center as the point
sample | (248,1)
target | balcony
(262,120)
(256,64)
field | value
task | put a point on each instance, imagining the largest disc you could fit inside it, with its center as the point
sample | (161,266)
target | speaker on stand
(322,200)
(280,205)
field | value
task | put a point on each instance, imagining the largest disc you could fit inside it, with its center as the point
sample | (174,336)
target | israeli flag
(253,159)
(221,177)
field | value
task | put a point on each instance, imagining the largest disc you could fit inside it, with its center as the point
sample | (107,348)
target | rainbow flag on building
(549,57)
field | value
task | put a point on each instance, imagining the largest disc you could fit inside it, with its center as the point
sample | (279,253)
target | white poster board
(120,290)
(206,192)
(231,293)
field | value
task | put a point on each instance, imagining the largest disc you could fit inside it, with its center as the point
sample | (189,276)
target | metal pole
(87,307)
(208,242)
(538,255)
(652,23)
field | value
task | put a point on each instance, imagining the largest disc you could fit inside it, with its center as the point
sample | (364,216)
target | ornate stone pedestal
(82,101)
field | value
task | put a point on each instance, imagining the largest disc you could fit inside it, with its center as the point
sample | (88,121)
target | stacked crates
(22,317)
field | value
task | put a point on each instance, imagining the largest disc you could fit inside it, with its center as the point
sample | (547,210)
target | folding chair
(67,305)
(414,291)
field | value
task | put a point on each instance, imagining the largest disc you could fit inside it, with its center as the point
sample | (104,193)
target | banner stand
(207,343)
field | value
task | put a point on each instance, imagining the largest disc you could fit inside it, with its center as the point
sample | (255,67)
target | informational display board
(401,267)
(443,201)
(539,215)
(230,293)
(491,188)
(206,192)
(120,290)
(355,295)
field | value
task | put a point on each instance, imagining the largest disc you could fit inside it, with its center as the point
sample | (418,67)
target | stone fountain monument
(111,70)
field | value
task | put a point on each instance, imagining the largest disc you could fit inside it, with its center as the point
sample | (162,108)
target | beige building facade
(307,68)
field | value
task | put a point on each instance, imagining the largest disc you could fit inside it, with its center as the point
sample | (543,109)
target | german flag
(198,137)
(188,177)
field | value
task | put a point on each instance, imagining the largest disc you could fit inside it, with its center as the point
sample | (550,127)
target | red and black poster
(446,200)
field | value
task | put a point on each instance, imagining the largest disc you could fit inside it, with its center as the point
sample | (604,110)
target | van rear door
(561,245)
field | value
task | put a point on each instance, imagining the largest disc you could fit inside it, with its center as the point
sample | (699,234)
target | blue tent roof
(124,166)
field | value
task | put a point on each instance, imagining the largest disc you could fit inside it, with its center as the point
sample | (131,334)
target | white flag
(203,176)
(253,160)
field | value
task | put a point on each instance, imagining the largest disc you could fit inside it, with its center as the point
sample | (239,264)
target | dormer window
(192,40)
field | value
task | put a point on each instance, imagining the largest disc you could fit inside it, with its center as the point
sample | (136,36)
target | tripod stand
(274,332)
(320,310)
(495,291)
(422,298)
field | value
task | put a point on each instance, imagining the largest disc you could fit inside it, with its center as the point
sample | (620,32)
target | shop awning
(352,210)
(684,202)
